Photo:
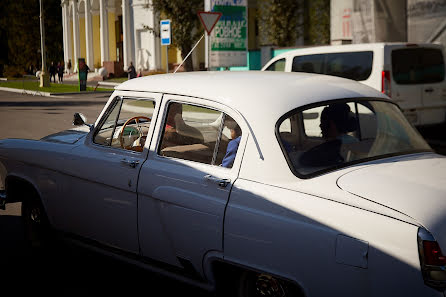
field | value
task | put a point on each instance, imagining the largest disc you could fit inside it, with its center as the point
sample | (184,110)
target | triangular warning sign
(209,19)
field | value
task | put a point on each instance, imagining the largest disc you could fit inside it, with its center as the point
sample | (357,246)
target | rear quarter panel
(319,244)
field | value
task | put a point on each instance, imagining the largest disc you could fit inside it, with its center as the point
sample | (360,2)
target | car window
(352,65)
(126,124)
(328,136)
(418,65)
(279,65)
(199,134)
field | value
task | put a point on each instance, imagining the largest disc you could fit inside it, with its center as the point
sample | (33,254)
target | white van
(413,75)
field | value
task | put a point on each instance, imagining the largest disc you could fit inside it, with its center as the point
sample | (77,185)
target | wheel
(253,284)
(35,224)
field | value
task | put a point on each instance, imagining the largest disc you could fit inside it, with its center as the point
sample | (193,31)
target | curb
(81,93)
(46,94)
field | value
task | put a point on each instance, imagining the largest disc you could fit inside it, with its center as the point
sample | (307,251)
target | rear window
(417,66)
(336,134)
(352,65)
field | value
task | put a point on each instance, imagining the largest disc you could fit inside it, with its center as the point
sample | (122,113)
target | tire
(36,226)
(252,284)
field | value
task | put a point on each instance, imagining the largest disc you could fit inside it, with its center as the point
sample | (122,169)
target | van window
(352,65)
(279,65)
(417,66)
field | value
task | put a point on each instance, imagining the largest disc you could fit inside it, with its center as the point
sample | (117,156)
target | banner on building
(229,38)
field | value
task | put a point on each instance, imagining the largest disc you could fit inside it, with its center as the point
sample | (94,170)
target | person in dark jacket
(53,71)
(60,70)
(131,71)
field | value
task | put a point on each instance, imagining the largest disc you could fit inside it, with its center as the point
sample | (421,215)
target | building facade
(110,34)
(364,21)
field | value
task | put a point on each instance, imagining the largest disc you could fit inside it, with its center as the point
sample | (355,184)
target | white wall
(147,45)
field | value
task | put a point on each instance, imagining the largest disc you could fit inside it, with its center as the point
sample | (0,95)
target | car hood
(70,136)
(413,185)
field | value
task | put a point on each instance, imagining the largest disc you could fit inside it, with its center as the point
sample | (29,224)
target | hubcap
(267,285)
(35,215)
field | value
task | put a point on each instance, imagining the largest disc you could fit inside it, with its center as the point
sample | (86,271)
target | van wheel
(264,285)
(35,223)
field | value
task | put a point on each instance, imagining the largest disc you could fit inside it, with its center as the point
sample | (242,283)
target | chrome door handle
(221,182)
(130,163)
(429,90)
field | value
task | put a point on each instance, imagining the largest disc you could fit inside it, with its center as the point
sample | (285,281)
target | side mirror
(79,119)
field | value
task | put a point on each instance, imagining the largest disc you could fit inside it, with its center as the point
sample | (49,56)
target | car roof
(243,90)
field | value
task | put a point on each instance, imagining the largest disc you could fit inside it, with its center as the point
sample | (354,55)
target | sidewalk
(47,94)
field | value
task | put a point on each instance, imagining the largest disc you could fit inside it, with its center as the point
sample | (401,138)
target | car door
(99,200)
(434,86)
(405,86)
(183,186)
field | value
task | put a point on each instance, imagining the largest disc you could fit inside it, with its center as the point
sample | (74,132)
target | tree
(19,22)
(184,22)
(279,21)
(317,22)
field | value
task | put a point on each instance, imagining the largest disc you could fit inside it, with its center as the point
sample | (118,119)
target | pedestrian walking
(131,71)
(69,66)
(53,72)
(60,70)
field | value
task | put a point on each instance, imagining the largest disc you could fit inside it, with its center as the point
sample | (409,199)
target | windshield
(334,135)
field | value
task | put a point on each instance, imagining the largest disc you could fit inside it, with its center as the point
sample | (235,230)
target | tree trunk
(188,65)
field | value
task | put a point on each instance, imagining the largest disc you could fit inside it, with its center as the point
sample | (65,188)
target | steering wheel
(121,134)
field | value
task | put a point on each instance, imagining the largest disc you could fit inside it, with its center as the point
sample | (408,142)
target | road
(70,271)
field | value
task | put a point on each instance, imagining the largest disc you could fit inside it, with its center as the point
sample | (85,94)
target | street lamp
(44,77)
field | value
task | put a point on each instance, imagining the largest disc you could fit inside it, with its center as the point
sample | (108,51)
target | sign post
(165,39)
(209,19)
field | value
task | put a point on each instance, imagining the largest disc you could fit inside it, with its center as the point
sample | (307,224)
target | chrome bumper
(2,199)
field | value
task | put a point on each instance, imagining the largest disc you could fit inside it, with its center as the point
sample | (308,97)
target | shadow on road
(69,271)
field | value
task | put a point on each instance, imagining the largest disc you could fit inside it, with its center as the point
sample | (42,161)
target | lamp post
(44,77)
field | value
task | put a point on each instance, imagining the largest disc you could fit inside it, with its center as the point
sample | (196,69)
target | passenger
(177,132)
(231,150)
(336,122)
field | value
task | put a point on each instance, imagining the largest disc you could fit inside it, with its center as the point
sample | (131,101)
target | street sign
(209,19)
(229,39)
(165,32)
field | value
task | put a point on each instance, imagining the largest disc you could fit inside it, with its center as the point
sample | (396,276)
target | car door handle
(221,182)
(429,90)
(131,163)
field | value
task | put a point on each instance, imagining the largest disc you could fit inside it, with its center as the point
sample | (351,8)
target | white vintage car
(247,183)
